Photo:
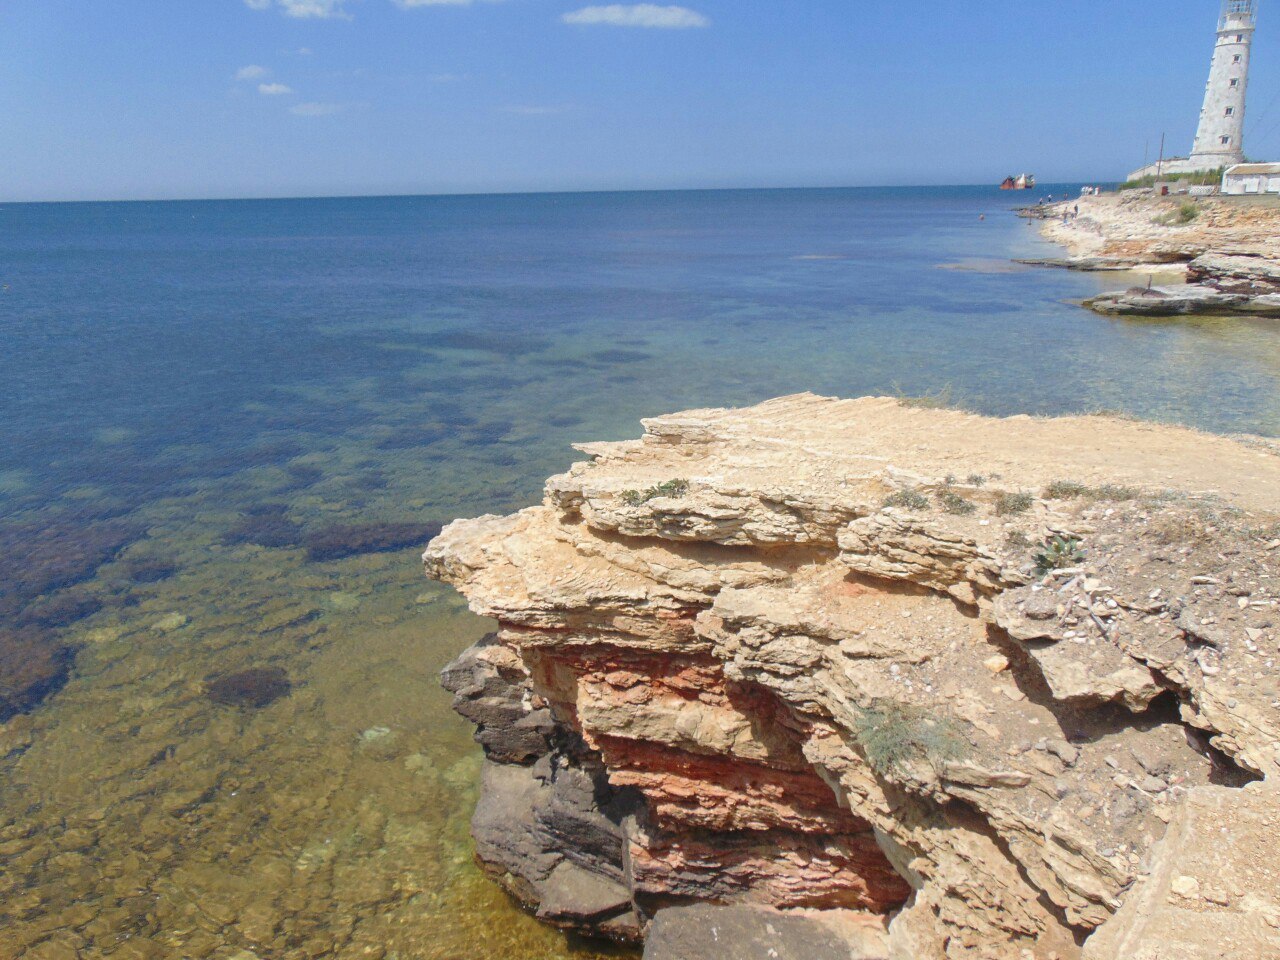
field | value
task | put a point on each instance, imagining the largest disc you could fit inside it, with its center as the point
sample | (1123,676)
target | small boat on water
(1023,181)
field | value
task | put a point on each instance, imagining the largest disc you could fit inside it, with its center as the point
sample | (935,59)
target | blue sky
(152,98)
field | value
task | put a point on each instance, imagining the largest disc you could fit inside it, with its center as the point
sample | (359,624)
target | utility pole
(1160,164)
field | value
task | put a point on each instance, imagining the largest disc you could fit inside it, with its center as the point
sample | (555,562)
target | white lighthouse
(1220,135)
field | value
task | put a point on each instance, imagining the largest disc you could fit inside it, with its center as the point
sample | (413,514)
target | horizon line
(538,193)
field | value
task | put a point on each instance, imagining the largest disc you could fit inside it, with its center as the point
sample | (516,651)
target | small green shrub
(896,734)
(671,488)
(1017,539)
(975,480)
(955,504)
(1058,553)
(1065,490)
(1070,490)
(1008,504)
(908,499)
(1186,212)
(1202,178)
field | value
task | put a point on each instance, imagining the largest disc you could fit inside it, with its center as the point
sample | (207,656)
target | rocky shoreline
(852,679)
(1227,251)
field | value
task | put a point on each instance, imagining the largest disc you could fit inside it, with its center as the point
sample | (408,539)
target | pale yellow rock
(996,664)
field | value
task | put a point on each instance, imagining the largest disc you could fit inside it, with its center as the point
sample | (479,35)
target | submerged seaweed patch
(61,609)
(487,433)
(33,665)
(265,525)
(304,474)
(254,688)
(350,540)
(501,343)
(141,570)
(40,558)
(407,438)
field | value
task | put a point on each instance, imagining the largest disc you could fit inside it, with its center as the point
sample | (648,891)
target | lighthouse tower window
(1235,81)
(1226,140)
(1231,111)
(1236,58)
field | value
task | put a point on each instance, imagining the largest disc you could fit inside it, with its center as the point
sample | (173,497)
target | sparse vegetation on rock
(669,488)
(894,735)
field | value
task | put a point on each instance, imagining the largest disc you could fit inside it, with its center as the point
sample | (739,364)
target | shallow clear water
(211,411)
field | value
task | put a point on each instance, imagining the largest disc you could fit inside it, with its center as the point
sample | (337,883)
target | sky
(136,99)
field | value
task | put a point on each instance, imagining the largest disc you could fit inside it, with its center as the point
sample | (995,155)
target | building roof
(1253,169)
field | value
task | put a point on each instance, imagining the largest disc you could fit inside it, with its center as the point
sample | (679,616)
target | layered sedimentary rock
(879,664)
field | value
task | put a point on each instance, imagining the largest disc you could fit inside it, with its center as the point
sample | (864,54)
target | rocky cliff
(1139,229)
(936,685)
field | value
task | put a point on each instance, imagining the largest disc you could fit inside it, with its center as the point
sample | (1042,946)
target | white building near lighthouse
(1220,136)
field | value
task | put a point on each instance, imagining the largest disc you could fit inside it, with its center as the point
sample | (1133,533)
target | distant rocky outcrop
(1217,284)
(856,679)
(1137,228)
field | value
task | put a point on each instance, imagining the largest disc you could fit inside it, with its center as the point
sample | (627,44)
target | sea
(228,427)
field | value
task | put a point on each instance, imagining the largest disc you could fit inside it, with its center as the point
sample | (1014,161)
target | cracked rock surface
(898,669)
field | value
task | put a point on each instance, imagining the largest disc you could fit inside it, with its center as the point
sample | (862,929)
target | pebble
(996,664)
(173,621)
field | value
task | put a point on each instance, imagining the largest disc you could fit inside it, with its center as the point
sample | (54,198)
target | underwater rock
(350,540)
(33,665)
(254,688)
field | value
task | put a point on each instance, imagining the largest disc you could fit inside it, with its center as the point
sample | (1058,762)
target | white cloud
(274,89)
(251,72)
(637,15)
(316,109)
(447,77)
(409,4)
(304,9)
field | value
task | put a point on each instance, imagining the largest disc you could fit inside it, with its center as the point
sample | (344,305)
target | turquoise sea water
(227,426)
